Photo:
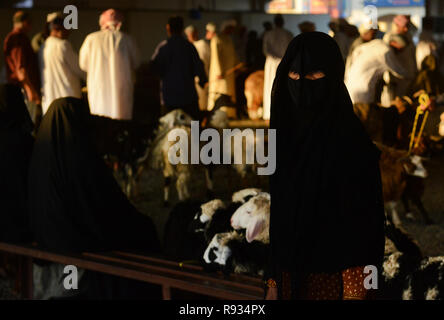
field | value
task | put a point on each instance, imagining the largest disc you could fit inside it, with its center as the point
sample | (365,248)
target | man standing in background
(21,64)
(223,64)
(204,51)
(396,87)
(110,58)
(275,44)
(59,66)
(40,37)
(177,63)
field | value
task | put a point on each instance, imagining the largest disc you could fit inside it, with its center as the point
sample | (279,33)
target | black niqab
(15,150)
(327,213)
(75,202)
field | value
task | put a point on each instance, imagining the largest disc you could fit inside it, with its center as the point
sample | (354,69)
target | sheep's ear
(253,229)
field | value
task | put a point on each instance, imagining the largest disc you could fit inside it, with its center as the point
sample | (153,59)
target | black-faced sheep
(192,225)
(239,253)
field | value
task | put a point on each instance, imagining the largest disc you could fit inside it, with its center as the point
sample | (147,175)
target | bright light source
(24,4)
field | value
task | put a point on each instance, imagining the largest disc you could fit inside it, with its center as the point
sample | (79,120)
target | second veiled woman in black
(15,151)
(327,215)
(75,202)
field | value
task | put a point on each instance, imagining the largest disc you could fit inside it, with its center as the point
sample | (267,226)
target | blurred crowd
(205,73)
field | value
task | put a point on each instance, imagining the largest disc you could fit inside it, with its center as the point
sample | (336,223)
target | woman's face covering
(307,84)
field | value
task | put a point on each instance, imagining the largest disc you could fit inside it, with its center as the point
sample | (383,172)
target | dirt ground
(429,237)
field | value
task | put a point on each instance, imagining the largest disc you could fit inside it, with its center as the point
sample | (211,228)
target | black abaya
(15,151)
(327,212)
(75,202)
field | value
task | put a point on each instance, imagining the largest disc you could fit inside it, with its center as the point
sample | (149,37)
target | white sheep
(254,216)
(156,156)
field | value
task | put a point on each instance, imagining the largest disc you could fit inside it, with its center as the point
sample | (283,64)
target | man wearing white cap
(223,63)
(370,61)
(59,66)
(274,46)
(204,51)
(397,87)
(40,37)
(110,58)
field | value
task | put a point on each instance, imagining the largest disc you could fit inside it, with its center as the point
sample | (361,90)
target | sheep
(231,252)
(254,92)
(217,252)
(427,281)
(191,225)
(254,216)
(184,230)
(179,242)
(402,179)
(214,216)
(244,195)
(402,256)
(121,143)
(156,156)
(234,252)
(205,214)
(406,274)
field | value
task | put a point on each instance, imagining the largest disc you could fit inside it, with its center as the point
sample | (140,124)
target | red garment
(21,63)
(345,285)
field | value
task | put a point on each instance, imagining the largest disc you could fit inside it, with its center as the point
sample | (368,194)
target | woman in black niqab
(75,203)
(327,213)
(15,151)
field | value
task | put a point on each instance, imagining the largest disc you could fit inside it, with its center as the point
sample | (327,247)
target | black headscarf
(326,211)
(15,150)
(75,202)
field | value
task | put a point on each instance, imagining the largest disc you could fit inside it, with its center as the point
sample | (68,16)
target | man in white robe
(222,80)
(203,49)
(274,46)
(59,66)
(110,58)
(370,61)
(397,87)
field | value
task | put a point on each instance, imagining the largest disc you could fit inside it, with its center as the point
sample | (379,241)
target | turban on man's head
(111,19)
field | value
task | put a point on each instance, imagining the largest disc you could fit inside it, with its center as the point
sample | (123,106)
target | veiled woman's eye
(315,75)
(294,75)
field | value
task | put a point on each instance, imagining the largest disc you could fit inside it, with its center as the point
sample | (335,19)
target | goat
(402,177)
(254,92)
